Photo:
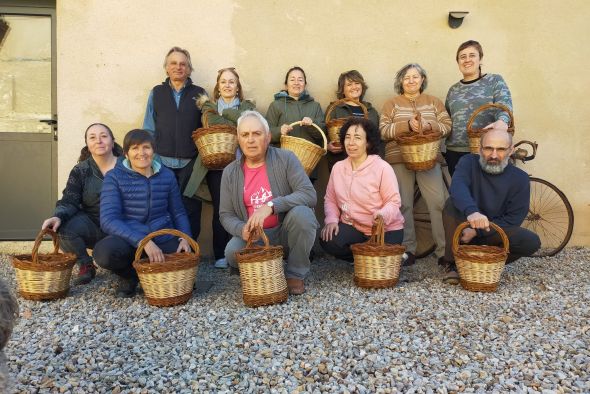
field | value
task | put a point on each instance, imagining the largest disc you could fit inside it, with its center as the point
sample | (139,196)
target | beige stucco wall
(110,54)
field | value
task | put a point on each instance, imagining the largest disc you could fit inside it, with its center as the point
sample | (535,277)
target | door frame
(39,8)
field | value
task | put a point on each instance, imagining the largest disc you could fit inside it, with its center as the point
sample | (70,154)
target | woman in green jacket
(351,86)
(226,108)
(294,104)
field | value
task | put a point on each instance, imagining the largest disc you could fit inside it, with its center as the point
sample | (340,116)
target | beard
(493,167)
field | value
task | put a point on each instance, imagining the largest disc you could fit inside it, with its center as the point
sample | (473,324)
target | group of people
(116,196)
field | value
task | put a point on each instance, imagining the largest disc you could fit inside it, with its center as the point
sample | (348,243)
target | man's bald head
(496,135)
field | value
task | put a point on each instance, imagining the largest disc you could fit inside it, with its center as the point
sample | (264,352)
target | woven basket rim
(215,129)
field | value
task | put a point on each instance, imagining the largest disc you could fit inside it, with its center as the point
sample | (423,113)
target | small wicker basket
(333,125)
(480,267)
(44,276)
(474,135)
(377,264)
(171,282)
(216,144)
(308,153)
(261,272)
(419,150)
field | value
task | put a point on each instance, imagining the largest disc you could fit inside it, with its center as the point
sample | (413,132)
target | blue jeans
(339,246)
(78,234)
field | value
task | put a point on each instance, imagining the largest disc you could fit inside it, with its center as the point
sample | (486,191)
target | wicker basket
(308,153)
(44,276)
(377,264)
(333,125)
(475,134)
(480,267)
(171,282)
(419,150)
(261,272)
(216,144)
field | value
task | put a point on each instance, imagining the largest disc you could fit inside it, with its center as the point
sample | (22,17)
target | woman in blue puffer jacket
(139,196)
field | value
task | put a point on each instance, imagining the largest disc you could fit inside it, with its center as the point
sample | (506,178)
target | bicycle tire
(425,243)
(550,217)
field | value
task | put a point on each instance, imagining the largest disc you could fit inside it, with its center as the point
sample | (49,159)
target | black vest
(174,126)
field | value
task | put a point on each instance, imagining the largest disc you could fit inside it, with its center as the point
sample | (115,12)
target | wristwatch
(271,205)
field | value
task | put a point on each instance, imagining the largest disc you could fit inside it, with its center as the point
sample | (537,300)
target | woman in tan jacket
(400,116)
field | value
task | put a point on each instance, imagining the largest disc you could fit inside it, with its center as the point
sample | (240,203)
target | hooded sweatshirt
(355,197)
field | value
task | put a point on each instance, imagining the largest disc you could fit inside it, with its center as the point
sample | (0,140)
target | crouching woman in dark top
(139,196)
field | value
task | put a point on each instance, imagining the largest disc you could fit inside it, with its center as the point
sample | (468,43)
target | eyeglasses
(491,149)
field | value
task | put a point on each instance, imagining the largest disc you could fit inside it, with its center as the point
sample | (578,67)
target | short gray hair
(179,50)
(399,77)
(254,114)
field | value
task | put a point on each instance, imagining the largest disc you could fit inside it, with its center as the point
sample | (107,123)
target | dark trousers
(220,236)
(452,158)
(116,254)
(194,206)
(523,242)
(339,246)
(191,205)
(78,234)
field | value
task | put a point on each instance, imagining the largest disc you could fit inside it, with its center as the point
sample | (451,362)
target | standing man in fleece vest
(172,115)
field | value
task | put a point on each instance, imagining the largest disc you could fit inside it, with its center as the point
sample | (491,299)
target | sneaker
(450,274)
(86,273)
(127,287)
(409,259)
(221,263)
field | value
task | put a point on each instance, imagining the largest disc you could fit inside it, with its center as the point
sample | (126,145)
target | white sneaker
(221,263)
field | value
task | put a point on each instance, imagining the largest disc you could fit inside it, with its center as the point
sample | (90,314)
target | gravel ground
(422,336)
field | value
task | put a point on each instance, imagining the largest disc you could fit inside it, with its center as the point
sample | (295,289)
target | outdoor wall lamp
(456,18)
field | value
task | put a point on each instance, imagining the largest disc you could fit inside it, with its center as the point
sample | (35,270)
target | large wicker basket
(308,153)
(480,267)
(44,276)
(261,272)
(419,150)
(377,264)
(474,135)
(216,144)
(333,125)
(171,282)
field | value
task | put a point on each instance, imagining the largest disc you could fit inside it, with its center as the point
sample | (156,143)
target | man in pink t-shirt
(267,187)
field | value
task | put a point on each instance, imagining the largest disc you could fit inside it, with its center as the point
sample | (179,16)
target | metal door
(28,120)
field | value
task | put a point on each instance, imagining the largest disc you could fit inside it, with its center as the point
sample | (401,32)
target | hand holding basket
(419,150)
(377,264)
(216,144)
(261,272)
(308,153)
(474,135)
(480,266)
(170,282)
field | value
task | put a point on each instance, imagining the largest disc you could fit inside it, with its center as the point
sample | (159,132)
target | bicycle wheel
(550,217)
(422,226)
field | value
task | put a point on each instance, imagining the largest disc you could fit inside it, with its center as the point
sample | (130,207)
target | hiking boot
(221,263)
(127,287)
(450,274)
(296,286)
(86,273)
(409,259)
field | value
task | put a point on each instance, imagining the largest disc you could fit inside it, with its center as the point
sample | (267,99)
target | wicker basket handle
(318,128)
(257,231)
(464,225)
(39,239)
(342,101)
(205,118)
(378,231)
(171,231)
(491,105)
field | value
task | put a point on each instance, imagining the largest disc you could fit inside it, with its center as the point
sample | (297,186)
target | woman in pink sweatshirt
(361,187)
